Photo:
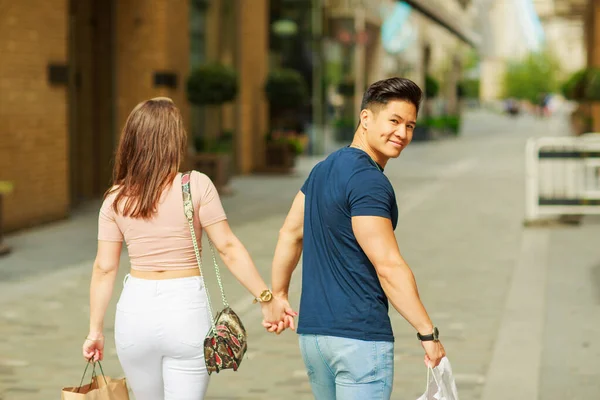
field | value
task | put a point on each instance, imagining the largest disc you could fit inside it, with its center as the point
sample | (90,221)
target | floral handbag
(226,342)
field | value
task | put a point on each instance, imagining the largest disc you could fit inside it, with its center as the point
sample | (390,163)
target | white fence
(563,176)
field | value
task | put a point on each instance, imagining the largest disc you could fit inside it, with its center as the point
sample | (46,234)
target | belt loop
(126,279)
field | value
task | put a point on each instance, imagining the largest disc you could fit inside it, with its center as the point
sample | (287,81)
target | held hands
(93,347)
(278,315)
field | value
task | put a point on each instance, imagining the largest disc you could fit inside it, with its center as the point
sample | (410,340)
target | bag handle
(429,369)
(188,209)
(93,373)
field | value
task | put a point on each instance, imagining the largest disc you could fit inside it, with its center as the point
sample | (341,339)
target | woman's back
(163,316)
(163,242)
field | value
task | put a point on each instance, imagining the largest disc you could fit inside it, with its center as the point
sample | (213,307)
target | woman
(162,316)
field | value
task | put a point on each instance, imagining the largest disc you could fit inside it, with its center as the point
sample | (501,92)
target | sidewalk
(517,309)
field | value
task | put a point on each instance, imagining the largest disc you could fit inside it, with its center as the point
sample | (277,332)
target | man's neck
(360,143)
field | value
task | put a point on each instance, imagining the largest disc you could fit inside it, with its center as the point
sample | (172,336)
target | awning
(454,22)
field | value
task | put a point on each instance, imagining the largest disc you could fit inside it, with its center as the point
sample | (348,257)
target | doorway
(91,97)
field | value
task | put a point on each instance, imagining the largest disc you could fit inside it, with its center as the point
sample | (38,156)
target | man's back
(341,293)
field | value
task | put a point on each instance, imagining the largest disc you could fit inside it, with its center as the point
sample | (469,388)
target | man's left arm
(289,247)
(287,255)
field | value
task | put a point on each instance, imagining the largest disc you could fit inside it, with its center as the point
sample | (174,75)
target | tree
(536,74)
(210,86)
(287,92)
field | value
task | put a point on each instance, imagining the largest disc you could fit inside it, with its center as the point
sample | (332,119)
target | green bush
(286,89)
(345,123)
(434,122)
(345,128)
(583,85)
(296,146)
(573,88)
(346,87)
(221,144)
(432,87)
(212,84)
(452,122)
(444,122)
(294,143)
(469,88)
(592,85)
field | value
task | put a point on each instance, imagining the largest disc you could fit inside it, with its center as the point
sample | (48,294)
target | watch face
(266,295)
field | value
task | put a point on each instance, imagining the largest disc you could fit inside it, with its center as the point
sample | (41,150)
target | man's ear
(365,118)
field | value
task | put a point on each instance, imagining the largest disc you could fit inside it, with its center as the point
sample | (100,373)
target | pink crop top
(164,242)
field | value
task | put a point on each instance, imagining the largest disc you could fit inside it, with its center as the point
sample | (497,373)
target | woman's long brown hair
(150,151)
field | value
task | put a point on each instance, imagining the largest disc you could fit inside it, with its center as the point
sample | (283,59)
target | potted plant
(584,87)
(422,131)
(452,124)
(210,86)
(282,148)
(346,87)
(432,87)
(574,87)
(287,92)
(344,129)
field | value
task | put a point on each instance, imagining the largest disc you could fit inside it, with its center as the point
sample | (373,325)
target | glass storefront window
(197,17)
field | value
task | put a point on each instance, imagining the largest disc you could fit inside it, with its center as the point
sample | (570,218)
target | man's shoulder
(369,175)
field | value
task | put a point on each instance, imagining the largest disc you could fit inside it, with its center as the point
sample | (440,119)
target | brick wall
(252,66)
(152,35)
(33,114)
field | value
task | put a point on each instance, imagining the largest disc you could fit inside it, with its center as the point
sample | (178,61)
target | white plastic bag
(440,383)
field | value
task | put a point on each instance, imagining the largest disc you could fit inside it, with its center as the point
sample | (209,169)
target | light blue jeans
(348,369)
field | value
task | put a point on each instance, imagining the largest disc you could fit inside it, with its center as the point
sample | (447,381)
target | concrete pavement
(518,310)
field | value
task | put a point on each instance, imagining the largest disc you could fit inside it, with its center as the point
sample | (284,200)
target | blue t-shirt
(341,293)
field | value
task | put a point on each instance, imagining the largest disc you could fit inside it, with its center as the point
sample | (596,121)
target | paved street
(518,309)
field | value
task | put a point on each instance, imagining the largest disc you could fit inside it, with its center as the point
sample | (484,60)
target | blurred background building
(259,82)
(513,29)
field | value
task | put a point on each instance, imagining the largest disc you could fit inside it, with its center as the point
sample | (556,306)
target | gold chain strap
(188,209)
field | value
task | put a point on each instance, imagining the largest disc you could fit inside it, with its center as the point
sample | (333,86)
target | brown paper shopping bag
(100,388)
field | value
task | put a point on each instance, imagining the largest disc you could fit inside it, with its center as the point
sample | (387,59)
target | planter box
(344,134)
(421,134)
(581,119)
(217,166)
(279,158)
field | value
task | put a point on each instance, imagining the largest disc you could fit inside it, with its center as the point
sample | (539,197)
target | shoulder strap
(188,208)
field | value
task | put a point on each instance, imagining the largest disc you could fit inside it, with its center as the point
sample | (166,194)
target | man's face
(390,128)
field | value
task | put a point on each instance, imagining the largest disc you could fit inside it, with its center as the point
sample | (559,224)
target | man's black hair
(386,90)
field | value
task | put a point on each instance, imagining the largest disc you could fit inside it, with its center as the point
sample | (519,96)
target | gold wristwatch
(264,297)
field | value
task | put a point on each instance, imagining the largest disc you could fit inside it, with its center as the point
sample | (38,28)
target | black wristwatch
(435,336)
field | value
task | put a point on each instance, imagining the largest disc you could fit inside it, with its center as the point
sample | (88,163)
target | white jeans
(160,328)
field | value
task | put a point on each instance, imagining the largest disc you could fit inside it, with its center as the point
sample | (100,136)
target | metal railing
(562,176)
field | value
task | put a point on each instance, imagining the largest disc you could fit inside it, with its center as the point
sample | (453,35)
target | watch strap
(431,337)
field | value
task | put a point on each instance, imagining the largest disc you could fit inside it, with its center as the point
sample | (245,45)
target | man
(344,219)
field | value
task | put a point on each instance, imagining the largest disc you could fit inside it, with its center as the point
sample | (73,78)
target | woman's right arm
(104,272)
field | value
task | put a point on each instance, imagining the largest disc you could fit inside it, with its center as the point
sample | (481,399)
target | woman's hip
(153,296)
(175,332)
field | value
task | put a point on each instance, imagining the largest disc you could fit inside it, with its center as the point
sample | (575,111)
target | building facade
(512,29)
(73,70)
